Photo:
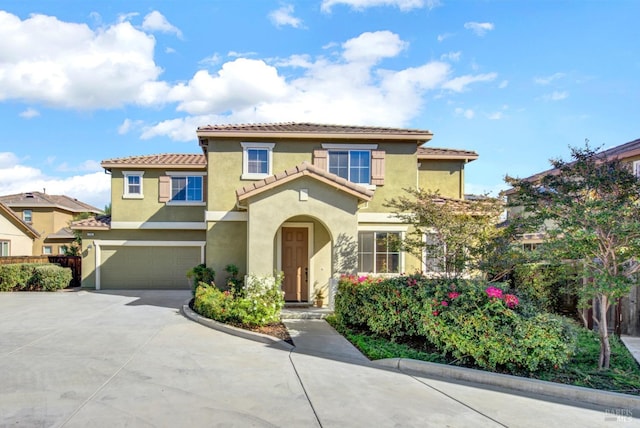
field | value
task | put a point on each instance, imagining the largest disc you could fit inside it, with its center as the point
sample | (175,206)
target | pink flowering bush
(473,322)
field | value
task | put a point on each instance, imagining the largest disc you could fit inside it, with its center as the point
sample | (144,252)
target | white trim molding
(378,218)
(160,225)
(125,191)
(226,216)
(246,175)
(99,243)
(350,146)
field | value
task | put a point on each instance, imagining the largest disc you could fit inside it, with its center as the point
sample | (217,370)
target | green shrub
(200,273)
(473,321)
(234,283)
(260,306)
(16,276)
(49,278)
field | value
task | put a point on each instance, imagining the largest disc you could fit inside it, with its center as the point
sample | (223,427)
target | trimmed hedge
(474,322)
(34,276)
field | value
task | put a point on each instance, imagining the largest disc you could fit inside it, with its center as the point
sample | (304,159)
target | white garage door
(147,267)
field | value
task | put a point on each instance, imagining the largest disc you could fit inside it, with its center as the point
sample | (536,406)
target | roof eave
(419,138)
(466,158)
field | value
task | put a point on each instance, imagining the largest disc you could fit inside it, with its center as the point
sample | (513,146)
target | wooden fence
(72,262)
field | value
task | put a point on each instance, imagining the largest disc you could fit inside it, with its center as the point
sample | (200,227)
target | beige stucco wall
(226,244)
(149,209)
(444,176)
(19,243)
(47,221)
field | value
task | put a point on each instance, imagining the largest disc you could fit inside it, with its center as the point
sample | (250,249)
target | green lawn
(582,370)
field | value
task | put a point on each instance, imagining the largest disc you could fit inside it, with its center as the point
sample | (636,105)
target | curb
(235,331)
(611,400)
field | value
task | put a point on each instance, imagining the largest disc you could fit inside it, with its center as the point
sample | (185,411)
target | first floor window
(434,253)
(378,252)
(352,165)
(47,249)
(186,189)
(4,248)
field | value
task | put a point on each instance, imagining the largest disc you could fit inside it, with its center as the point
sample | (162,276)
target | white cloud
(69,65)
(156,22)
(284,16)
(495,116)
(169,50)
(444,36)
(459,84)
(467,113)
(503,84)
(556,96)
(451,56)
(479,28)
(92,188)
(373,47)
(128,125)
(548,79)
(403,5)
(29,113)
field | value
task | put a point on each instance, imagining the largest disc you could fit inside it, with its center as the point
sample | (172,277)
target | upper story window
(133,184)
(27,216)
(359,163)
(352,165)
(257,159)
(186,189)
(182,188)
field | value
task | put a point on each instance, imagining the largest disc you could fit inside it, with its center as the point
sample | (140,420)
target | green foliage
(234,283)
(590,210)
(49,278)
(34,276)
(260,306)
(459,233)
(543,284)
(200,273)
(473,321)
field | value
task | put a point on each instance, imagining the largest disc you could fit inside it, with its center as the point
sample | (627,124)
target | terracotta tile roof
(10,215)
(165,160)
(102,222)
(39,199)
(64,233)
(439,153)
(313,130)
(304,169)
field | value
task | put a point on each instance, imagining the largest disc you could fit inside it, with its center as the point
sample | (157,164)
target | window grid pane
(133,184)
(378,246)
(258,161)
(186,189)
(339,164)
(359,166)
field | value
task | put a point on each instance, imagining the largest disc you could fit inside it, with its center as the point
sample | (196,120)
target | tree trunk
(603,331)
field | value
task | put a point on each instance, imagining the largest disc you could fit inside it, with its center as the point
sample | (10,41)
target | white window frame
(179,174)
(46,248)
(636,168)
(27,218)
(401,254)
(440,270)
(246,146)
(5,245)
(126,194)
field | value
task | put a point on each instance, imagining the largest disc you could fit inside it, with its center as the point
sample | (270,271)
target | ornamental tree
(452,235)
(589,210)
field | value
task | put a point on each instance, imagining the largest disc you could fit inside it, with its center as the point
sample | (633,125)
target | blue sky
(516,81)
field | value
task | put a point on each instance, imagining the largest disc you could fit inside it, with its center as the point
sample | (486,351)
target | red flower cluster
(509,299)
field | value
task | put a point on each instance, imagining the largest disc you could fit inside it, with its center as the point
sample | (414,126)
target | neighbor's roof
(304,169)
(165,160)
(64,233)
(446,154)
(10,215)
(41,200)
(313,131)
(101,222)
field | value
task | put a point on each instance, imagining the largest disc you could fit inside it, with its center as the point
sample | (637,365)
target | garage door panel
(147,267)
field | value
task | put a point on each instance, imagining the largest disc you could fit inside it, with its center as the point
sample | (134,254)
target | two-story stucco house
(49,216)
(301,198)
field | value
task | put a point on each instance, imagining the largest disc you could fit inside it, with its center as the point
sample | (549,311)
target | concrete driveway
(111,359)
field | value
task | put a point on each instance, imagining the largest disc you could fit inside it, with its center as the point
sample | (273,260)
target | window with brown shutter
(164,189)
(377,167)
(320,159)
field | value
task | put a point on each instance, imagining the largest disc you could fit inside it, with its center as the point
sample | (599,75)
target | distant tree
(454,235)
(107,209)
(589,210)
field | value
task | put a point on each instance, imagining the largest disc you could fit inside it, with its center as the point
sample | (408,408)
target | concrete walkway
(111,359)
(633,345)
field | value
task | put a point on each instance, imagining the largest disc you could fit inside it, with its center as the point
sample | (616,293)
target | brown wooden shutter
(164,188)
(320,159)
(377,167)
(205,187)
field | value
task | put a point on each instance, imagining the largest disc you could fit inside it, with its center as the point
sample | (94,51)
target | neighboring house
(16,236)
(301,198)
(625,315)
(49,216)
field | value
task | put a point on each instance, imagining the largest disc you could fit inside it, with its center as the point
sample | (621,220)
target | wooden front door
(295,263)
